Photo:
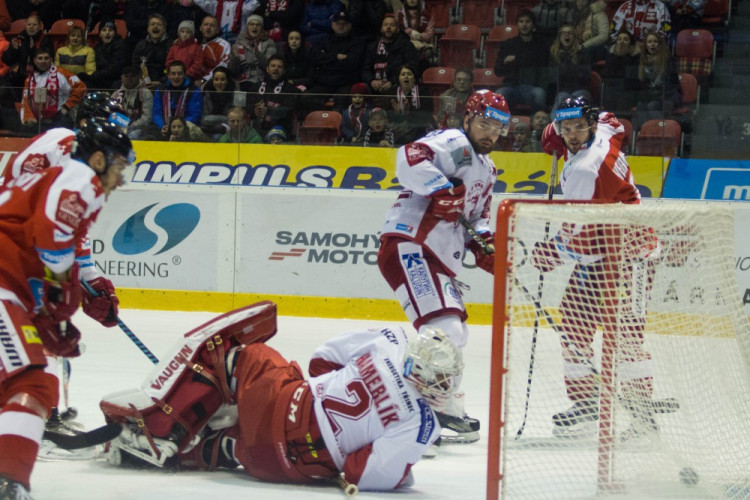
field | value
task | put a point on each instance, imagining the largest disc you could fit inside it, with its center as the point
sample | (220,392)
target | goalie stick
(132,336)
(88,439)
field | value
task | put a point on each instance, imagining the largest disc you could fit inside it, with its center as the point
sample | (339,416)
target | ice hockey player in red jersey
(43,216)
(596,169)
(223,398)
(446,175)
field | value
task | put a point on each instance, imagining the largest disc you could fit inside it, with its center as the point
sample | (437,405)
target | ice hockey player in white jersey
(446,175)
(223,398)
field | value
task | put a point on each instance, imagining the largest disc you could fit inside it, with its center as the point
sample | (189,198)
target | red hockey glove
(484,261)
(103,307)
(448,204)
(61,299)
(551,142)
(59,338)
(545,256)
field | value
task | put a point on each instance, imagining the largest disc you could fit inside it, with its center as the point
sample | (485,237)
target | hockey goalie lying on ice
(223,398)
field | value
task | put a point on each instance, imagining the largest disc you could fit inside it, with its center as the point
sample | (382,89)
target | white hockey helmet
(434,364)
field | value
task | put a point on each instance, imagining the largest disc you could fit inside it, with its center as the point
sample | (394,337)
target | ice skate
(578,421)
(64,423)
(12,490)
(433,450)
(643,427)
(461,430)
(132,447)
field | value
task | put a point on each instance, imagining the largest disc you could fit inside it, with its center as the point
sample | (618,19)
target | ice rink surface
(112,363)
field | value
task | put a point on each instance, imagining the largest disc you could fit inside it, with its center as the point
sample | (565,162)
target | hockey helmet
(434,364)
(489,105)
(576,107)
(100,105)
(98,135)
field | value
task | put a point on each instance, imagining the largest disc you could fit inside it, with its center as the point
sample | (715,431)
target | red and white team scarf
(51,106)
(276,6)
(230,17)
(166,109)
(276,90)
(381,61)
(412,97)
(356,115)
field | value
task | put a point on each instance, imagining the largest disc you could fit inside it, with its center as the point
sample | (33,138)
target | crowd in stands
(252,70)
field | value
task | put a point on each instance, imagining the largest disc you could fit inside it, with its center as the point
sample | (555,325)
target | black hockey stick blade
(93,437)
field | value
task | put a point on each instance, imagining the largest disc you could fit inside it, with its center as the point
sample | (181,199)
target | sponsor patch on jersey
(416,152)
(461,156)
(61,236)
(427,426)
(405,227)
(35,162)
(70,208)
(418,276)
(30,334)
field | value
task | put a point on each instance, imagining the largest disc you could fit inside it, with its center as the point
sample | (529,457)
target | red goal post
(682,293)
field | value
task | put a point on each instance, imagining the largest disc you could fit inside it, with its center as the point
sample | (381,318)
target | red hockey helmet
(489,105)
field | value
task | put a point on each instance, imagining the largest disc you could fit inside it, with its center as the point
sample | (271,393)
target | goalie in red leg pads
(366,411)
(602,255)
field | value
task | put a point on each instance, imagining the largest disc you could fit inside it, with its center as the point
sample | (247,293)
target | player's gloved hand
(545,256)
(104,306)
(448,203)
(59,338)
(61,299)
(551,142)
(484,260)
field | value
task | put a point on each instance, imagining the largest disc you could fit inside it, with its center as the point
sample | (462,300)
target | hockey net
(684,295)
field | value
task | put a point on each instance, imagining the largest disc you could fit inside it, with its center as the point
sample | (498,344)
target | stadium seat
(443,13)
(627,144)
(482,13)
(320,127)
(695,50)
(716,13)
(484,78)
(16,27)
(659,138)
(496,36)
(459,46)
(120,27)
(511,8)
(437,80)
(60,28)
(691,91)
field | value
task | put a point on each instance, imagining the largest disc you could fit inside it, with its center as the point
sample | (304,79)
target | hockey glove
(103,307)
(448,203)
(59,338)
(484,261)
(545,256)
(551,142)
(61,299)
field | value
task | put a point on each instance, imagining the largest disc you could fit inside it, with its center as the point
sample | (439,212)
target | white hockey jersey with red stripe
(43,217)
(599,170)
(374,422)
(52,148)
(423,167)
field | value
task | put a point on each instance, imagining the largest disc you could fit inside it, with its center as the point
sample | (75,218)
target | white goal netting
(642,324)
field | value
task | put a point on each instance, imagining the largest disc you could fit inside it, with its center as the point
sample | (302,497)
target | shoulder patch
(70,208)
(417,152)
(35,162)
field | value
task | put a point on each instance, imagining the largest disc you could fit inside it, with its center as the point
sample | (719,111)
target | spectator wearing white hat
(251,51)
(187,49)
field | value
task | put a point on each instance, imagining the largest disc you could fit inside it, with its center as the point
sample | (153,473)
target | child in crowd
(277,135)
(356,115)
(187,49)
(521,138)
(178,130)
(378,134)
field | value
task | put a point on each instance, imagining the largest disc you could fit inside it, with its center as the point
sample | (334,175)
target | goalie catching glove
(59,338)
(484,260)
(104,305)
(448,203)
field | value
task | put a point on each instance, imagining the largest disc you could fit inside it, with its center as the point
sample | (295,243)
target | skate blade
(584,430)
(463,438)
(50,452)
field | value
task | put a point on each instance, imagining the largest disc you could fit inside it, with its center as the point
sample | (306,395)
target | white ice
(112,362)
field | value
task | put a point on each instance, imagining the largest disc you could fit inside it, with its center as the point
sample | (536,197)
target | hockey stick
(145,350)
(350,490)
(535,334)
(487,248)
(88,439)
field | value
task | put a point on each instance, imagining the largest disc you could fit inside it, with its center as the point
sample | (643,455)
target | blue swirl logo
(134,236)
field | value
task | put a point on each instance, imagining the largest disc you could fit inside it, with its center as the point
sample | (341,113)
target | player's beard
(480,148)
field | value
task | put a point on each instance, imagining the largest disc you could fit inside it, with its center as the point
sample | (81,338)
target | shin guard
(186,388)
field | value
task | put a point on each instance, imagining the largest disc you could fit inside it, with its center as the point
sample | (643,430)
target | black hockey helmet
(576,107)
(99,135)
(100,105)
